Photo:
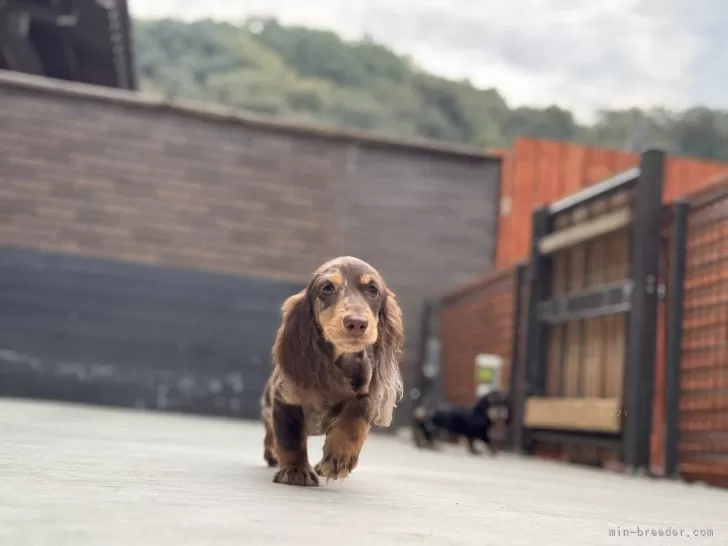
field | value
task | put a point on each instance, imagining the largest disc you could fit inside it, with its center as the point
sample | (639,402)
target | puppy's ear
(387,377)
(296,350)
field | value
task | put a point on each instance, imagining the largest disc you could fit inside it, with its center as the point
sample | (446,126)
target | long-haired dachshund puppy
(336,371)
(487,421)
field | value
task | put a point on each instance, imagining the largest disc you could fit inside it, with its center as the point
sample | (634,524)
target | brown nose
(355,324)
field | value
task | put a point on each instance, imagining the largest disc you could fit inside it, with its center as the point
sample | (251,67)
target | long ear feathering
(387,353)
(296,349)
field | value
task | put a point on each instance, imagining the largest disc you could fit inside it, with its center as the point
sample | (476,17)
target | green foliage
(307,74)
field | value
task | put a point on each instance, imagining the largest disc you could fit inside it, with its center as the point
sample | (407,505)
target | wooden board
(578,414)
(585,231)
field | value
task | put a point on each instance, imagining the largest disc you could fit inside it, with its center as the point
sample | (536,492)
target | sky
(583,55)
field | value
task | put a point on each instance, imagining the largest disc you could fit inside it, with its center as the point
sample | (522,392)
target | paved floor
(79,476)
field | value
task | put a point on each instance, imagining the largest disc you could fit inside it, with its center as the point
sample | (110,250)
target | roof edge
(216,112)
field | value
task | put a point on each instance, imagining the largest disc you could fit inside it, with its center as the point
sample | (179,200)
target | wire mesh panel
(703,396)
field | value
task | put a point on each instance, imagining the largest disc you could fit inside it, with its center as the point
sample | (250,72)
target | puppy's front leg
(345,439)
(291,444)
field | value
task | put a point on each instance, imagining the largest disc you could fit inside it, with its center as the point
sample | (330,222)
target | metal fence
(592,315)
(614,335)
(696,382)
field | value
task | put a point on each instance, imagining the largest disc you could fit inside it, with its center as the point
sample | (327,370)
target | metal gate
(592,313)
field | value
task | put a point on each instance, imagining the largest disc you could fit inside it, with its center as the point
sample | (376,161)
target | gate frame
(516,379)
(637,296)
(678,216)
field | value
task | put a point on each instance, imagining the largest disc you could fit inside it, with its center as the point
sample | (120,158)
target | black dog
(486,421)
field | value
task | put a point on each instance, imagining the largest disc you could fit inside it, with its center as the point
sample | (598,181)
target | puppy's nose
(355,324)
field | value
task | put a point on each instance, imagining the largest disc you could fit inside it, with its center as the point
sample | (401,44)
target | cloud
(581,55)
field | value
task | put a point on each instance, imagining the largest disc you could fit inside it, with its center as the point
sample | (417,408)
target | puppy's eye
(328,289)
(371,290)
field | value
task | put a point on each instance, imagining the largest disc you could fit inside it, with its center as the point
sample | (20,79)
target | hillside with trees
(314,75)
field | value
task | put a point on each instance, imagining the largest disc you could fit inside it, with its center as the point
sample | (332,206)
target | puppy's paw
(335,467)
(293,475)
(270,459)
(341,456)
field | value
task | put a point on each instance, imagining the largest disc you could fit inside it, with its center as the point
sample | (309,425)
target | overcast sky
(581,54)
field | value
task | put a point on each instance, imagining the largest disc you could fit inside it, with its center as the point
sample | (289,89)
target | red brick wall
(477,318)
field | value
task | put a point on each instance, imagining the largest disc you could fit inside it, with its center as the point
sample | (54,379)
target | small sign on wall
(487,373)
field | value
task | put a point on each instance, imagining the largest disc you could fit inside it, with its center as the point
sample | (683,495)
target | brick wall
(109,180)
(113,174)
(478,317)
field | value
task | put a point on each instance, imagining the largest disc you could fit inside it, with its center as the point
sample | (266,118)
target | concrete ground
(81,476)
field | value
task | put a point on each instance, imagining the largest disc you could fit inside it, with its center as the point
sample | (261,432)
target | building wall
(89,330)
(152,186)
(111,174)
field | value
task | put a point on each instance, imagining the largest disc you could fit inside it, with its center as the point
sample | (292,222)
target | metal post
(534,355)
(516,378)
(640,353)
(676,287)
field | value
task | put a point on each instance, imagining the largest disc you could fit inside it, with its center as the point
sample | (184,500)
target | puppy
(336,371)
(487,421)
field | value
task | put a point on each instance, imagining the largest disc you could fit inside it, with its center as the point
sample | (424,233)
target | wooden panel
(581,414)
(576,271)
(550,171)
(597,342)
(586,357)
(685,176)
(584,231)
(541,171)
(525,196)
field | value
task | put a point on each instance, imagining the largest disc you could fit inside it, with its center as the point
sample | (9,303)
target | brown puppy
(335,371)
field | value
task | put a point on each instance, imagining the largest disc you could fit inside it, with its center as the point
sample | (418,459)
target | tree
(297,72)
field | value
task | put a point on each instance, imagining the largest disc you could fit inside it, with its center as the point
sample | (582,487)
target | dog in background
(487,421)
(336,371)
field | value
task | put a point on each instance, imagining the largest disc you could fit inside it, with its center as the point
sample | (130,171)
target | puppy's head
(348,296)
(347,306)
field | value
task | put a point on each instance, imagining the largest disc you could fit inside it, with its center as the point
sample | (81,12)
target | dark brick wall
(116,333)
(114,175)
(152,186)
